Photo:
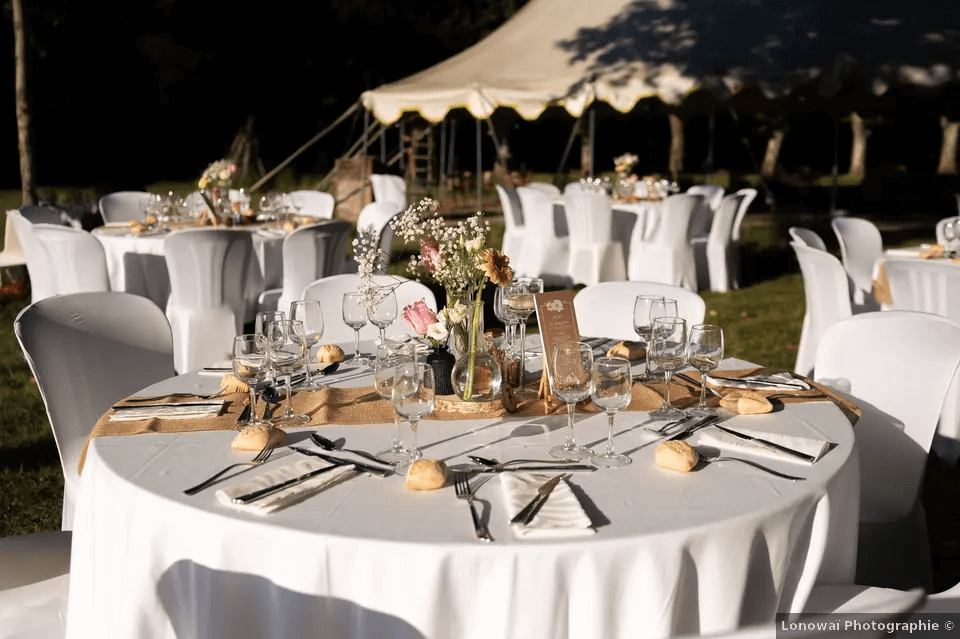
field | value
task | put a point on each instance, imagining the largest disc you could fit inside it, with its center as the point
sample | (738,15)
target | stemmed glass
(519,300)
(414,393)
(704,352)
(669,341)
(665,307)
(263,320)
(382,313)
(355,316)
(611,392)
(642,324)
(570,377)
(250,365)
(509,319)
(309,312)
(286,352)
(951,231)
(389,356)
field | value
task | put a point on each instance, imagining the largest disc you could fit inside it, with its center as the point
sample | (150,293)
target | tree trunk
(858,154)
(675,164)
(772,154)
(948,147)
(23,112)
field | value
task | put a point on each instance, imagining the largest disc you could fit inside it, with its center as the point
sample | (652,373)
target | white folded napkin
(185,410)
(561,515)
(287,496)
(763,382)
(812,444)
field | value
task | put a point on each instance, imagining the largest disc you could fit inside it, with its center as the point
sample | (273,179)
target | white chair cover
(807,237)
(318,204)
(34,580)
(12,254)
(389,188)
(514,232)
(377,215)
(702,219)
(42,214)
(667,257)
(42,282)
(897,366)
(77,260)
(723,243)
(330,290)
(209,278)
(828,301)
(123,206)
(548,189)
(860,248)
(545,248)
(606,309)
(87,351)
(594,255)
(941,240)
(573,187)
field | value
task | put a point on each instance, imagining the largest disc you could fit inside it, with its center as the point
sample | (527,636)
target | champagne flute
(664,308)
(509,319)
(414,393)
(310,313)
(612,392)
(355,316)
(382,312)
(389,356)
(286,352)
(520,301)
(704,352)
(642,325)
(571,381)
(669,339)
(250,365)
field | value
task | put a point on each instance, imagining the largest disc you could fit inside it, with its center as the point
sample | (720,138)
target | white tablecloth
(705,551)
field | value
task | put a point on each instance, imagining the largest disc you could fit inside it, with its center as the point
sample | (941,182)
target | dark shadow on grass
(35,456)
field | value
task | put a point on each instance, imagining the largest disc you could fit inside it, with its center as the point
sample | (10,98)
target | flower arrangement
(219,174)
(623,164)
(434,327)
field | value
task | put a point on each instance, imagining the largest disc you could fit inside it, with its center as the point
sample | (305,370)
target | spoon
(271,398)
(332,368)
(494,463)
(328,444)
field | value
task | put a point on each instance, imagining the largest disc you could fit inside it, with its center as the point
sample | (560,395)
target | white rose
(437,332)
(456,313)
(475,244)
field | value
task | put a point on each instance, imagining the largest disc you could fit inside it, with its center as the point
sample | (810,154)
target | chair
(667,257)
(550,190)
(77,262)
(329,291)
(514,231)
(860,248)
(34,580)
(378,216)
(42,214)
(42,282)
(123,206)
(723,243)
(87,351)
(702,218)
(389,188)
(941,240)
(12,254)
(594,255)
(606,309)
(807,237)
(827,298)
(545,250)
(209,275)
(897,366)
(309,253)
(316,204)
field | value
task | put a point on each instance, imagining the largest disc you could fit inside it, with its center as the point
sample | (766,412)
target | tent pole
(363,157)
(403,150)
(836,161)
(443,157)
(451,158)
(593,130)
(566,151)
(479,165)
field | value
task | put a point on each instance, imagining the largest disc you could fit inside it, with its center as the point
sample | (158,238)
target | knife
(167,405)
(365,468)
(691,380)
(528,512)
(269,490)
(568,467)
(245,413)
(686,432)
(758,382)
(768,444)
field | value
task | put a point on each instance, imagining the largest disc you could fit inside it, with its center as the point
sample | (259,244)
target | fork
(461,483)
(717,458)
(262,457)
(781,395)
(141,398)
(676,422)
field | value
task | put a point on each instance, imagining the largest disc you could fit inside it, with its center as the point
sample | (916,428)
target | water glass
(571,381)
(666,307)
(669,341)
(286,353)
(510,321)
(642,324)
(520,301)
(389,356)
(355,316)
(704,353)
(310,313)
(250,365)
(612,386)
(414,394)
(382,312)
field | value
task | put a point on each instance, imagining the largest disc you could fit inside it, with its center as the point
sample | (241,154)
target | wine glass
(642,325)
(414,394)
(668,341)
(519,300)
(286,353)
(310,313)
(950,234)
(704,352)
(612,392)
(571,381)
(250,365)
(666,307)
(509,319)
(262,321)
(389,356)
(355,316)
(382,312)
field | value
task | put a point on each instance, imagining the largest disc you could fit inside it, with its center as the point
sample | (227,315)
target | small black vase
(441,360)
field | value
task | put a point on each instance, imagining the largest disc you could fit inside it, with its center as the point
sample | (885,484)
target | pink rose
(419,316)
(430,254)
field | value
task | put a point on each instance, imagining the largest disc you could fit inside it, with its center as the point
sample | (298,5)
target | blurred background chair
(807,237)
(941,239)
(316,204)
(550,190)
(594,255)
(87,351)
(721,250)
(702,218)
(860,248)
(11,255)
(606,309)
(827,295)
(42,282)
(124,206)
(545,249)
(378,215)
(389,188)
(77,262)
(667,256)
(34,583)
(514,230)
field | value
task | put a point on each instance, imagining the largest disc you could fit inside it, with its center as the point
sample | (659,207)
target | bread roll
(257,437)
(676,455)
(745,402)
(330,353)
(627,350)
(137,227)
(233,384)
(426,474)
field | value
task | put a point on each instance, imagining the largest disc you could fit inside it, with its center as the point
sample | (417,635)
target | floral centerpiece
(623,164)
(220,175)
(434,327)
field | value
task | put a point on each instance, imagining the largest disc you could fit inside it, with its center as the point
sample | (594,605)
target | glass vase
(476,375)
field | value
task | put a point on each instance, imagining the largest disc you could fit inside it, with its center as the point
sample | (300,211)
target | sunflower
(497,267)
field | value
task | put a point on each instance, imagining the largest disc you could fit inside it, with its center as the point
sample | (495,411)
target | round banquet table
(673,553)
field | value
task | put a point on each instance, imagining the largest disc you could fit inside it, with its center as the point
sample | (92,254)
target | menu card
(557,320)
